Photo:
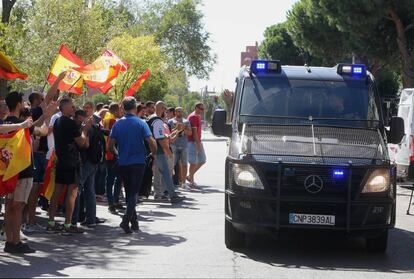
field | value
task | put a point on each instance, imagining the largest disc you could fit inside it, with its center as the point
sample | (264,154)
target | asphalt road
(188,241)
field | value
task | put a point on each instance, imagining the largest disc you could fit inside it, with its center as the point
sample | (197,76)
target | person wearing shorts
(179,146)
(196,154)
(68,139)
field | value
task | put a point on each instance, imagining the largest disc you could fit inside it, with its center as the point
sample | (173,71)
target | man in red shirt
(196,154)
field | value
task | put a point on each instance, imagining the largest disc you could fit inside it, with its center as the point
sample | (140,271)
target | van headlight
(378,181)
(246,176)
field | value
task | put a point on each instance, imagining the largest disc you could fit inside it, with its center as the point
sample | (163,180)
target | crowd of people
(95,152)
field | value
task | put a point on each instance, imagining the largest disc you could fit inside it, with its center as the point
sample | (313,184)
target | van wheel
(378,244)
(232,237)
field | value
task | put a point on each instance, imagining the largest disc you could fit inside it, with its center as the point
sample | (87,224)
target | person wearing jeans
(113,181)
(113,185)
(131,176)
(87,187)
(127,144)
(163,150)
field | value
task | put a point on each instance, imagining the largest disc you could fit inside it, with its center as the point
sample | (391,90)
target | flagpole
(74,83)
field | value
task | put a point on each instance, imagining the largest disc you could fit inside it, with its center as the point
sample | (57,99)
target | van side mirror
(396,133)
(219,125)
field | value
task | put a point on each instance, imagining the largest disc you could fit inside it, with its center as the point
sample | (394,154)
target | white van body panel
(402,151)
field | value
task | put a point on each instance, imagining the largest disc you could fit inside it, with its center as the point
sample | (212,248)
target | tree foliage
(166,36)
(278,44)
(377,33)
(141,53)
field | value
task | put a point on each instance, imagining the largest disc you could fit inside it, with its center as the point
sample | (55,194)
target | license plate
(311,219)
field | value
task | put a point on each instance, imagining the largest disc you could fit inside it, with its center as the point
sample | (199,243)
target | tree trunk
(6,11)
(4,90)
(407,56)
(7,6)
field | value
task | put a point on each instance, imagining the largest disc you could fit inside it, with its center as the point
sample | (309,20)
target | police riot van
(308,151)
(403,153)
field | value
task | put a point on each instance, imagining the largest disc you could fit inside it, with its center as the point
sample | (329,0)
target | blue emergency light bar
(338,173)
(355,70)
(265,66)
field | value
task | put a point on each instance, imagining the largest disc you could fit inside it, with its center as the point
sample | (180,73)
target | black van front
(308,152)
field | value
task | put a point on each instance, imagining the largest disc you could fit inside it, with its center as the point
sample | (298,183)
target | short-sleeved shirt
(65,130)
(181,140)
(156,124)
(37,112)
(27,172)
(130,133)
(50,138)
(195,121)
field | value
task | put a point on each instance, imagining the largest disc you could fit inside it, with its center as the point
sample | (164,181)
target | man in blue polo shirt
(127,143)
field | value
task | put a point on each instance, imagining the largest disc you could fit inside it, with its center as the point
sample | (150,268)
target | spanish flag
(102,73)
(48,186)
(15,156)
(66,61)
(8,70)
(138,83)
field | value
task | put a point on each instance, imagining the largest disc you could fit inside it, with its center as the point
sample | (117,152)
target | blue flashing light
(338,173)
(355,70)
(265,66)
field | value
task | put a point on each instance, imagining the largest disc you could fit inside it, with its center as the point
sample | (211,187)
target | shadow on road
(330,253)
(92,250)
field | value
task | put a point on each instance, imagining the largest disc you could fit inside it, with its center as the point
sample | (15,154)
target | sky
(233,25)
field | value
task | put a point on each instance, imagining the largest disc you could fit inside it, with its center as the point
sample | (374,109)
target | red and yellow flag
(15,156)
(48,186)
(8,70)
(138,83)
(66,61)
(102,73)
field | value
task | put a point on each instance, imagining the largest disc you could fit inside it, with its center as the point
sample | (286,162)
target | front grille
(293,182)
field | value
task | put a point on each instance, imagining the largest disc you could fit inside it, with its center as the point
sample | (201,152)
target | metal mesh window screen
(314,141)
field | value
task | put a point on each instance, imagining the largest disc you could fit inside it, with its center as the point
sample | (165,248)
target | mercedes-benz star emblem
(313,184)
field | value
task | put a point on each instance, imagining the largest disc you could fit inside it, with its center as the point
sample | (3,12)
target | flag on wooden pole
(138,83)
(67,61)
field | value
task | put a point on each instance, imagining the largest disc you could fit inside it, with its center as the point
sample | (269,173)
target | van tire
(378,244)
(232,237)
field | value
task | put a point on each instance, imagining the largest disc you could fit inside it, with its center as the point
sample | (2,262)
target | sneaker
(186,187)
(161,198)
(89,225)
(119,206)
(112,209)
(19,248)
(99,220)
(176,199)
(134,226)
(35,228)
(54,229)
(72,230)
(125,227)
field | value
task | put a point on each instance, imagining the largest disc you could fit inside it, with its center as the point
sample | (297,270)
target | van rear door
(405,111)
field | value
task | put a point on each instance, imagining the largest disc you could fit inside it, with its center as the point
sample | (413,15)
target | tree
(141,53)
(7,6)
(278,44)
(384,28)
(311,31)
(178,28)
